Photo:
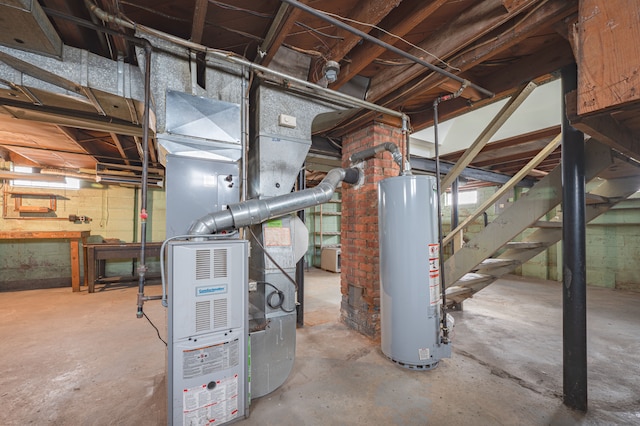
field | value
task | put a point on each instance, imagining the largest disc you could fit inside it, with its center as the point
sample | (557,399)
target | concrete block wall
(612,255)
(46,263)
(360,277)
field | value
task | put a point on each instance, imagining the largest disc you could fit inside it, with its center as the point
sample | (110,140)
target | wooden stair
(492,253)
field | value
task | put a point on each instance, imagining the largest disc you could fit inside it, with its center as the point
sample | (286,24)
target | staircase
(477,264)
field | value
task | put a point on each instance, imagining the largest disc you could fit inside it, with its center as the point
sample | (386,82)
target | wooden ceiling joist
(368,11)
(399,22)
(284,20)
(468,27)
(199,19)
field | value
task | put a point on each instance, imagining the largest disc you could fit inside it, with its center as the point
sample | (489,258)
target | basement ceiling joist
(495,44)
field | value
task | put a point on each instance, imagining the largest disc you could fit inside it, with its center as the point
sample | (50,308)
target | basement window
(464,198)
(65,183)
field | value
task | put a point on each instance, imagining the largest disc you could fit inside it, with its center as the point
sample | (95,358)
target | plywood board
(607,54)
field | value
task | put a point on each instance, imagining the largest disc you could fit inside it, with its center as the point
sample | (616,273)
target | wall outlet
(287,121)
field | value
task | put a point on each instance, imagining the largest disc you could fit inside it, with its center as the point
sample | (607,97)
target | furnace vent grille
(203,264)
(203,315)
(220,313)
(220,263)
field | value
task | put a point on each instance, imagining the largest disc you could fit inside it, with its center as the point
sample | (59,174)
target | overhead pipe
(256,211)
(436,102)
(288,80)
(371,152)
(146,45)
(387,46)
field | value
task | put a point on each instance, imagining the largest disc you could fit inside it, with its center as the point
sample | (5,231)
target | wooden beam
(536,67)
(544,16)
(400,21)
(280,27)
(506,187)
(118,143)
(607,54)
(199,18)
(502,161)
(121,45)
(507,110)
(367,11)
(605,128)
(468,27)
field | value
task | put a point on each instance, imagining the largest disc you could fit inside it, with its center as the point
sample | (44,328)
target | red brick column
(360,276)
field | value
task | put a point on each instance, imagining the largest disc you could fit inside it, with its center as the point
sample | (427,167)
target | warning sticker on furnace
(209,359)
(209,403)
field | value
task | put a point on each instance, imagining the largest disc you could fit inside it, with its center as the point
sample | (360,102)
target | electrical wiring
(281,298)
(354,21)
(300,24)
(241,9)
(156,328)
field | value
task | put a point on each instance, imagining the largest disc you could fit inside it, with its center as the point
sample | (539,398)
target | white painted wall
(540,110)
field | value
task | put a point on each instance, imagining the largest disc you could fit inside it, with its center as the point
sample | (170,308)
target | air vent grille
(203,316)
(220,313)
(220,263)
(203,264)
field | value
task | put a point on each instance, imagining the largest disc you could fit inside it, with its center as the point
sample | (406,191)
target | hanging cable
(156,328)
(281,298)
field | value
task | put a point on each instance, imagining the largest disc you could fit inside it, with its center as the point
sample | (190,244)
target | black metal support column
(574,289)
(302,184)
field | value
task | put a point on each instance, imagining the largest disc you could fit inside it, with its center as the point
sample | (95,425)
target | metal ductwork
(256,211)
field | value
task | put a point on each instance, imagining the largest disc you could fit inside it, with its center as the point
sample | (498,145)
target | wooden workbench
(74,238)
(96,254)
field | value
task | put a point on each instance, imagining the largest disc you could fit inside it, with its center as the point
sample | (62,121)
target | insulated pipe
(387,46)
(371,152)
(253,212)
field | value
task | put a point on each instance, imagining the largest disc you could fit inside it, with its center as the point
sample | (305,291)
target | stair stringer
(615,190)
(534,204)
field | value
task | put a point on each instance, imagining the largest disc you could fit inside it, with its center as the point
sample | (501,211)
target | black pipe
(574,290)
(302,185)
(387,46)
(445,329)
(371,152)
(142,268)
(455,213)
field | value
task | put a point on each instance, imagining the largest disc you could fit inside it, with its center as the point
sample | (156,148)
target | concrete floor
(84,359)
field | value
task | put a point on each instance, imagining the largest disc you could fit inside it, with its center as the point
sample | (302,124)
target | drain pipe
(142,267)
(371,152)
(253,212)
(436,102)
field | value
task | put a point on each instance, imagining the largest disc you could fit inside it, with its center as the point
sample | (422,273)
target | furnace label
(209,359)
(211,403)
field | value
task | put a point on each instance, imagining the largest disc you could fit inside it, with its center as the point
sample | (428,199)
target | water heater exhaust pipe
(253,212)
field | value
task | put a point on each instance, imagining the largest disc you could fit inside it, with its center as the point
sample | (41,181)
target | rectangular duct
(25,26)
